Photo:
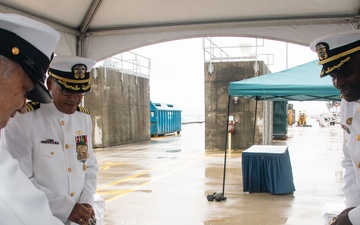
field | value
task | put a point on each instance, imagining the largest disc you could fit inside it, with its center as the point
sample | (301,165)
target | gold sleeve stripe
(29,108)
(83,110)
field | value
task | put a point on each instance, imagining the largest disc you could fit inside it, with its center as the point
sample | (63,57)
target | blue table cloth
(267,168)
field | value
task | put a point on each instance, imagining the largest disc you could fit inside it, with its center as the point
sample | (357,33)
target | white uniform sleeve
(354,215)
(351,189)
(20,201)
(14,138)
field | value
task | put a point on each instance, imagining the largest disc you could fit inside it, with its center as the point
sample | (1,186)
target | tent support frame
(226,143)
(220,196)
(256,108)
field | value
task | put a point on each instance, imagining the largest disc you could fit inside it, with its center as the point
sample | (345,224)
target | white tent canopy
(102,28)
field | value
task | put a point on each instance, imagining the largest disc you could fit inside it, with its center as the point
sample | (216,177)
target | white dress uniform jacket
(350,122)
(54,167)
(21,203)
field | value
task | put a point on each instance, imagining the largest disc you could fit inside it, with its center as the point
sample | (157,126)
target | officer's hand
(92,213)
(342,218)
(80,214)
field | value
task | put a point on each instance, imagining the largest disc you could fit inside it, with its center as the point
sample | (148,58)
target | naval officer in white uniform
(26,49)
(339,54)
(53,142)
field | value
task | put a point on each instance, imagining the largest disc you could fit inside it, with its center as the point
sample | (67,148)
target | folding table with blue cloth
(267,168)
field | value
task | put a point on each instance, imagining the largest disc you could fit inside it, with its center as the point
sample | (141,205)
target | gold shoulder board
(83,109)
(31,106)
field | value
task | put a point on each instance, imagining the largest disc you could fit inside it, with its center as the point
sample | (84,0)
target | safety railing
(240,52)
(129,63)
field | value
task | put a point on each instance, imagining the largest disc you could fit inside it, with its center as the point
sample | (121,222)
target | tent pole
(256,102)
(226,140)
(220,196)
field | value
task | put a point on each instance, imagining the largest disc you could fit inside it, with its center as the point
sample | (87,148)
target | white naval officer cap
(72,73)
(30,44)
(335,50)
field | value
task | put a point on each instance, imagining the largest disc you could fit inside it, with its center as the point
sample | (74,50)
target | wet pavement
(166,180)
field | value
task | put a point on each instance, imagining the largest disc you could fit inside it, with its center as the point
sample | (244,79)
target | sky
(177,68)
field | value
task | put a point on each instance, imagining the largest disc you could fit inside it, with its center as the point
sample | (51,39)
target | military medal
(82,149)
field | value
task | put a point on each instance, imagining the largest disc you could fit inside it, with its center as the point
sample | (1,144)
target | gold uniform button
(349,121)
(52,153)
(358,165)
(62,123)
(15,51)
(358,109)
(67,146)
(358,137)
(72,194)
(69,169)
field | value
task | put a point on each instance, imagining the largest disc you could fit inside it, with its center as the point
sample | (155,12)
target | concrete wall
(119,106)
(216,105)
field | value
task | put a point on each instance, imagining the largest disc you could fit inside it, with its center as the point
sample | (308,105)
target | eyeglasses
(69,93)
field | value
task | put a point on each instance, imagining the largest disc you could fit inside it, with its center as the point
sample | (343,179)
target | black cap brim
(39,93)
(34,62)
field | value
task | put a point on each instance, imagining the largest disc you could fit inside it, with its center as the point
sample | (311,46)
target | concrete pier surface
(165,181)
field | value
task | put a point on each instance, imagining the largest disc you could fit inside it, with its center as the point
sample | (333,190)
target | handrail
(215,53)
(211,51)
(130,63)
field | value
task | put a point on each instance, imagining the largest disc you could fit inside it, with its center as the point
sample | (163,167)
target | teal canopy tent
(301,83)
